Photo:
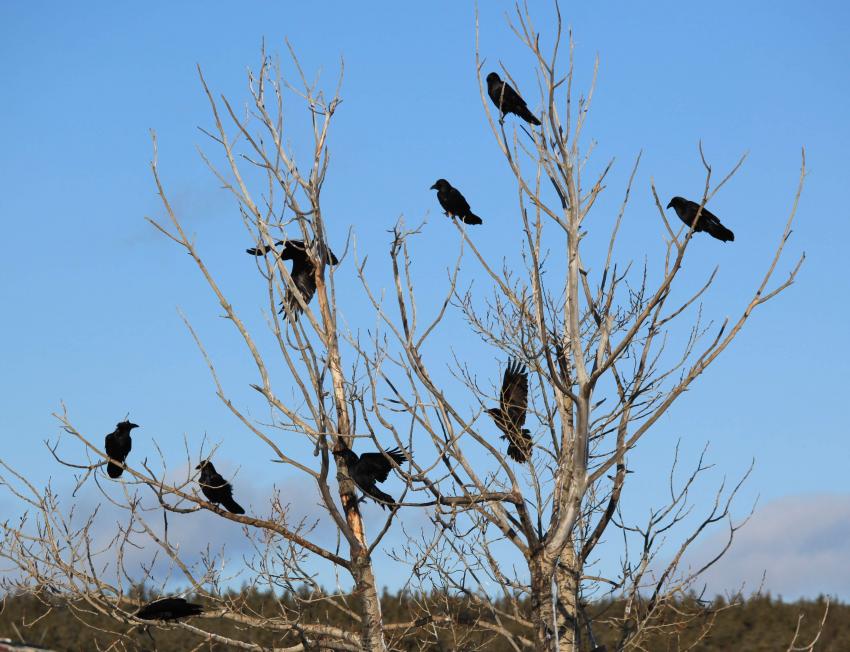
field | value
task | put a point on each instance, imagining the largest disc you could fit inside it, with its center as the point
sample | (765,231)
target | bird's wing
(295,250)
(514,398)
(262,249)
(375,465)
(510,100)
(303,279)
(457,202)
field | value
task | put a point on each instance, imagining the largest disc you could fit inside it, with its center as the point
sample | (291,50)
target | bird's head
(494,412)
(126,426)
(493,78)
(676,202)
(440,184)
(204,464)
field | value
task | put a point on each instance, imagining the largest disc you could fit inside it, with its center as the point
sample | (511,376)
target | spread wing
(375,465)
(304,282)
(262,249)
(513,401)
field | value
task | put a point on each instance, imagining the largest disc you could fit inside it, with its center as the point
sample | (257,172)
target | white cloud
(800,544)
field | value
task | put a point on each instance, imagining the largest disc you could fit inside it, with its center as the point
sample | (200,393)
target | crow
(708,221)
(217,489)
(510,415)
(118,445)
(169,609)
(507,100)
(453,203)
(302,273)
(369,468)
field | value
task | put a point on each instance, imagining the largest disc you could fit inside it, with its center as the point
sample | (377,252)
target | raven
(118,445)
(217,489)
(302,273)
(369,468)
(169,609)
(453,203)
(708,221)
(507,100)
(510,415)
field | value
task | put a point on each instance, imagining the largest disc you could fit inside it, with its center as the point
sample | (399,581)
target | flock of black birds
(368,469)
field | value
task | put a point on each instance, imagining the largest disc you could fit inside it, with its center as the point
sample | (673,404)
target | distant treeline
(761,623)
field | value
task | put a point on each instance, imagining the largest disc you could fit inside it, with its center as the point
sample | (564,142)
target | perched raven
(217,489)
(507,100)
(510,415)
(453,203)
(302,273)
(370,468)
(708,221)
(118,445)
(169,609)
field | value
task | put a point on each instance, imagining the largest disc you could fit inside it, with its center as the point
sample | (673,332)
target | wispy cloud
(800,545)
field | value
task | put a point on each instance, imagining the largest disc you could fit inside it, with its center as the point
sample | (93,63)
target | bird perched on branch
(217,489)
(303,272)
(454,204)
(708,221)
(169,609)
(370,468)
(118,444)
(510,415)
(507,100)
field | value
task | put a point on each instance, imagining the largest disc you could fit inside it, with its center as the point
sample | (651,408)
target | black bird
(708,221)
(302,273)
(453,203)
(118,445)
(510,415)
(217,489)
(169,609)
(369,468)
(507,100)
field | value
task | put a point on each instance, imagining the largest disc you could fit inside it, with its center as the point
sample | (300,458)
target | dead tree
(609,347)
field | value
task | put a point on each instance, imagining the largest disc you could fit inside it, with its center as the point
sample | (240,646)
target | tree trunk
(371,629)
(566,580)
(542,611)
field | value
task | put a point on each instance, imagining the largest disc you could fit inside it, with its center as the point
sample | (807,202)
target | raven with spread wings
(303,272)
(510,415)
(370,468)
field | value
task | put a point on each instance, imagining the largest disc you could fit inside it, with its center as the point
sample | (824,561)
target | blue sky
(89,289)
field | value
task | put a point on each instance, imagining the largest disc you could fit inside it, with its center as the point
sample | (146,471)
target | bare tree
(608,347)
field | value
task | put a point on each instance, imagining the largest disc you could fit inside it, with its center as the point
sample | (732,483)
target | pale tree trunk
(567,575)
(542,610)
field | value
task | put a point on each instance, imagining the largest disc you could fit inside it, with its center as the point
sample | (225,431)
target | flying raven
(118,445)
(302,273)
(217,489)
(708,221)
(370,468)
(169,609)
(453,203)
(510,415)
(507,100)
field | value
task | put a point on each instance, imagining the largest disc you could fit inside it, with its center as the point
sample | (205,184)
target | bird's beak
(133,425)
(670,204)
(434,187)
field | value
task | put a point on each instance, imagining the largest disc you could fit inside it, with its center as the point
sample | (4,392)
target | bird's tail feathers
(113,470)
(717,230)
(471,218)
(528,116)
(232,506)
